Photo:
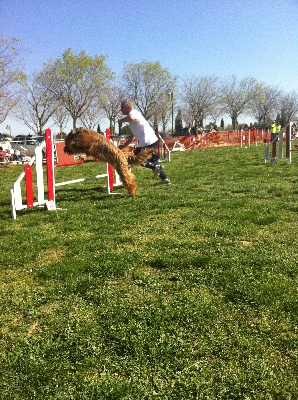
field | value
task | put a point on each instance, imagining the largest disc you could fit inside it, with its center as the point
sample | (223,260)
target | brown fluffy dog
(93,144)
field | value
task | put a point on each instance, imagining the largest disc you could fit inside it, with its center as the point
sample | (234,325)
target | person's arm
(127,142)
(127,118)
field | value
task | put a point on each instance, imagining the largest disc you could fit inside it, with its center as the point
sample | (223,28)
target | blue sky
(247,38)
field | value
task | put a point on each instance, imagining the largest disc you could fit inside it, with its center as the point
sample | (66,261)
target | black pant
(153,161)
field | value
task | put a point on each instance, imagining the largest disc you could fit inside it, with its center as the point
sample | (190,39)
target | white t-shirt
(141,129)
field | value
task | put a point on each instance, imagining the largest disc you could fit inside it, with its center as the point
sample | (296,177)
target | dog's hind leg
(127,180)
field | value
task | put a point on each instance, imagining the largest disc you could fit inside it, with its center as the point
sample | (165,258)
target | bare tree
(265,103)
(200,97)
(289,107)
(10,76)
(235,96)
(111,104)
(147,83)
(163,111)
(60,118)
(187,115)
(92,116)
(37,107)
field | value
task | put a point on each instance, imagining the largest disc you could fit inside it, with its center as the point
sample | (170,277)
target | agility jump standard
(50,202)
(16,192)
(273,146)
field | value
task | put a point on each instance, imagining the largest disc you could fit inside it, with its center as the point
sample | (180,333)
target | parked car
(27,144)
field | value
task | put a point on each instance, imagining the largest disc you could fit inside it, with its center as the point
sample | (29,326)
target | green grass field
(188,291)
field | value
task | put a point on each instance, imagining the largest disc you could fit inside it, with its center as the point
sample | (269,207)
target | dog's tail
(140,158)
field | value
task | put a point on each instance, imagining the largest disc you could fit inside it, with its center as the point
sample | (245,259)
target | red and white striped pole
(110,168)
(29,186)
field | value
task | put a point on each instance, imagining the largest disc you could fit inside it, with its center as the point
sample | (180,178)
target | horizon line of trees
(84,89)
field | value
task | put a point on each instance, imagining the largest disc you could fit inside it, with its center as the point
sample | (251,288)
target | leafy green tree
(125,130)
(76,81)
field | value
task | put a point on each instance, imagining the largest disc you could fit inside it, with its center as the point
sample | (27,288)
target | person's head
(1,148)
(126,106)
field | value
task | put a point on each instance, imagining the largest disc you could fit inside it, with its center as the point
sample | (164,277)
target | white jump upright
(16,192)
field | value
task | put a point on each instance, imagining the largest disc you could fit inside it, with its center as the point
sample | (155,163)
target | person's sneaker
(157,170)
(166,181)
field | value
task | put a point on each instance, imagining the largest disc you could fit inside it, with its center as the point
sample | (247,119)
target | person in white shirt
(145,136)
